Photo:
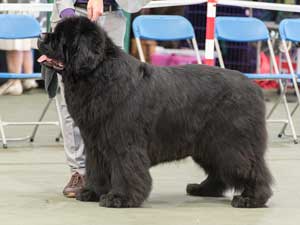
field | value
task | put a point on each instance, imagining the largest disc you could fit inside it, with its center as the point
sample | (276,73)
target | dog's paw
(245,202)
(113,200)
(199,190)
(87,195)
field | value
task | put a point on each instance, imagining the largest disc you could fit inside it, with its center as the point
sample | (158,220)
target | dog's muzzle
(44,59)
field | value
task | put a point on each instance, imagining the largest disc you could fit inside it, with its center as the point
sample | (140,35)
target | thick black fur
(133,115)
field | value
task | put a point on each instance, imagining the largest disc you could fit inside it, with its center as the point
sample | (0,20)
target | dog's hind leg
(212,186)
(130,180)
(257,188)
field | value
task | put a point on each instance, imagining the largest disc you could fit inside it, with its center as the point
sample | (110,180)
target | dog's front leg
(130,179)
(97,176)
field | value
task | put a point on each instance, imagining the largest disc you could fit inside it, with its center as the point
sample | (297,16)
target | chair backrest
(18,27)
(289,29)
(240,29)
(162,28)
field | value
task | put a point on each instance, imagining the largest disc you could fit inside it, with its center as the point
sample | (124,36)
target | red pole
(210,32)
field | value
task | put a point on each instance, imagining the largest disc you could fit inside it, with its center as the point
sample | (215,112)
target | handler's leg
(74,150)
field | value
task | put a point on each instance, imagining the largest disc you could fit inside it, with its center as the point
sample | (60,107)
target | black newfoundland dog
(133,115)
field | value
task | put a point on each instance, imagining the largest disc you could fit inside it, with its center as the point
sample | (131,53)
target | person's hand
(94,9)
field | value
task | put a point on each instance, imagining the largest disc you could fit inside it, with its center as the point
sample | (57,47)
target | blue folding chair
(245,29)
(289,30)
(163,28)
(22,27)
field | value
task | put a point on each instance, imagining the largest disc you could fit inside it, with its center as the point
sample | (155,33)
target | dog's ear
(86,52)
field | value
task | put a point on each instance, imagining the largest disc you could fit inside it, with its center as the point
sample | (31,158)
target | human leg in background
(18,62)
(14,65)
(28,68)
(115,25)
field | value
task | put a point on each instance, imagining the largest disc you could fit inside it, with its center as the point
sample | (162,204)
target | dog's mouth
(52,63)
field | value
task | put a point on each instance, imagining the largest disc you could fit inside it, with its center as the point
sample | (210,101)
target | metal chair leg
(289,117)
(275,105)
(295,84)
(140,49)
(58,137)
(57,104)
(278,100)
(282,132)
(283,129)
(282,88)
(40,119)
(3,138)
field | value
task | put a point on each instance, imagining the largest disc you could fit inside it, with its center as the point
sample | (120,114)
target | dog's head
(77,45)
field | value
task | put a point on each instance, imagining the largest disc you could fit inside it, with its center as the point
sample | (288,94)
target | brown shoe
(75,185)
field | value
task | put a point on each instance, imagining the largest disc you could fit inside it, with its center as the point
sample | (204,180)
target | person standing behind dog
(106,14)
(19,57)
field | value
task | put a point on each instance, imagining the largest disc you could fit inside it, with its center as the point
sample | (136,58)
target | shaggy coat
(133,115)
